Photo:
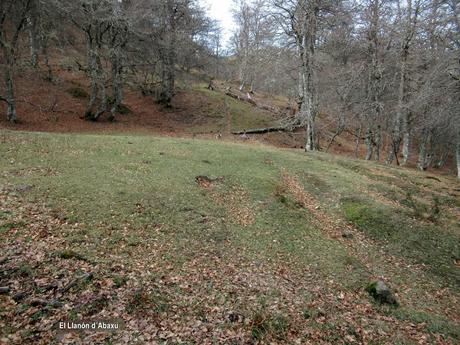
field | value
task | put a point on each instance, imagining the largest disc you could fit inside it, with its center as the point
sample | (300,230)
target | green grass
(402,236)
(218,107)
(121,204)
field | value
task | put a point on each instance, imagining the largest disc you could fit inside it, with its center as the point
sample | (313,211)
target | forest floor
(190,241)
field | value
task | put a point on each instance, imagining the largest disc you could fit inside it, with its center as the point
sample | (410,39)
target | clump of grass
(418,209)
(134,241)
(119,281)
(78,92)
(306,313)
(435,209)
(281,193)
(142,300)
(264,324)
(95,306)
(5,227)
(68,254)
(25,270)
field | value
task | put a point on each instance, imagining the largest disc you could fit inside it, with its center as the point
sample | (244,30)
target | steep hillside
(196,112)
(59,107)
(204,241)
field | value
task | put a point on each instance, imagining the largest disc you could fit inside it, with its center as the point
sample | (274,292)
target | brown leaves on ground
(209,298)
(237,203)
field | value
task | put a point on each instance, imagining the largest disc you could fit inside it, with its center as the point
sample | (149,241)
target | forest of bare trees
(384,73)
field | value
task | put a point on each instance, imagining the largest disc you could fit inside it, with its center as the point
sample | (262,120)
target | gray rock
(23,187)
(381,293)
(347,234)
(20,296)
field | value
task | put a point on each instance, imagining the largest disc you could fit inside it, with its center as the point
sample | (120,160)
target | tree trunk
(457,154)
(307,87)
(406,138)
(167,83)
(396,137)
(168,72)
(49,69)
(93,74)
(34,28)
(423,158)
(11,109)
(117,84)
(378,143)
(374,83)
(369,144)
(358,141)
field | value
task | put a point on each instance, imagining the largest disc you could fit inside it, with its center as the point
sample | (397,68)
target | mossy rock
(381,293)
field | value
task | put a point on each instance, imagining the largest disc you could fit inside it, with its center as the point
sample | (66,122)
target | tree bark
(168,76)
(11,114)
(93,74)
(378,143)
(34,28)
(457,154)
(423,158)
(117,84)
(369,144)
(374,84)
(306,41)
(358,141)
(406,137)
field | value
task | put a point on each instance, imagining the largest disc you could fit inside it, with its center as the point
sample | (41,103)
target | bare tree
(13,18)
(299,19)
(407,24)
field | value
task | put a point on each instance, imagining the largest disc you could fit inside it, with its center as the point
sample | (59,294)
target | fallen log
(249,100)
(289,128)
(262,130)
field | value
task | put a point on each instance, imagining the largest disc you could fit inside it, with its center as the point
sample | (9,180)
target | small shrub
(78,92)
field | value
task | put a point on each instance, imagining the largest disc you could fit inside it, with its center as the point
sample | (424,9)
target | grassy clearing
(236,259)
